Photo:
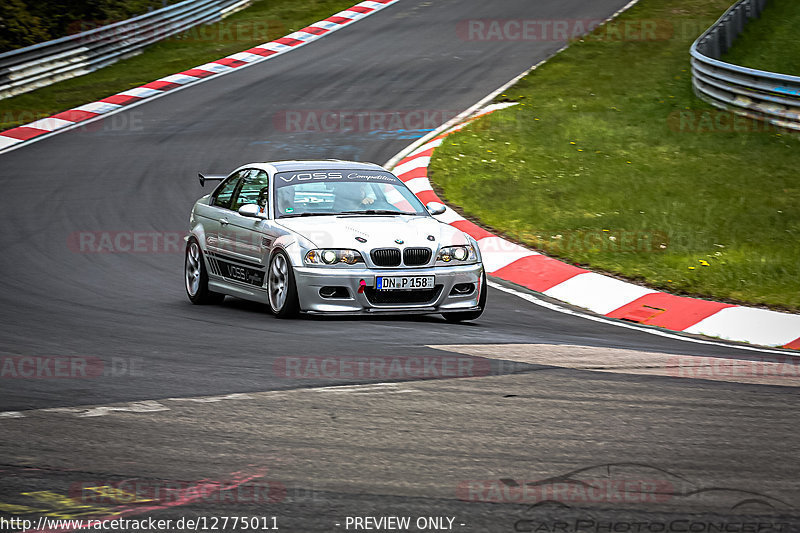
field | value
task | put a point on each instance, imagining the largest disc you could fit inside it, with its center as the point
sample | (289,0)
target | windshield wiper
(375,212)
(295,215)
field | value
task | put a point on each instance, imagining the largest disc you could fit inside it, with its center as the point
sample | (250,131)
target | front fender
(291,247)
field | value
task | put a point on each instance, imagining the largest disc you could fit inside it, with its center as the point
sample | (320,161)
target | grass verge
(770,43)
(611,162)
(264,21)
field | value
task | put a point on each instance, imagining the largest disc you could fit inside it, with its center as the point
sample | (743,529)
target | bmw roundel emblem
(399,241)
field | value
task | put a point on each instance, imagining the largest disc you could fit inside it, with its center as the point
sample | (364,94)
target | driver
(367,195)
(263,196)
(354,195)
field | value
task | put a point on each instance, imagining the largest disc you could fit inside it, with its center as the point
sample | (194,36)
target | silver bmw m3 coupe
(332,237)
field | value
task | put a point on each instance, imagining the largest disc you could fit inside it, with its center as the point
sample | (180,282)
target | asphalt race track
(198,395)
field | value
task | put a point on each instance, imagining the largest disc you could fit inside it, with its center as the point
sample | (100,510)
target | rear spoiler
(204,179)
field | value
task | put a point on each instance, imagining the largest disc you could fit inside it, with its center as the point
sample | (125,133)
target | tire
(461,316)
(195,276)
(281,287)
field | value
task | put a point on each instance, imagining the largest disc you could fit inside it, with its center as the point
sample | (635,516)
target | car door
(215,217)
(251,238)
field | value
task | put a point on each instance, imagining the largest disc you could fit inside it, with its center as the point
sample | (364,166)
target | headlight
(329,257)
(333,257)
(458,254)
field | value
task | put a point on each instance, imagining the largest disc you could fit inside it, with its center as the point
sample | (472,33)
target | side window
(224,195)
(254,190)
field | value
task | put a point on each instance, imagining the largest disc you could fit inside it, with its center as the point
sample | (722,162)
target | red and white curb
(601,294)
(65,120)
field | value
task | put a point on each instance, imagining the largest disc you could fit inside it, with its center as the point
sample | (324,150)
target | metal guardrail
(28,68)
(756,94)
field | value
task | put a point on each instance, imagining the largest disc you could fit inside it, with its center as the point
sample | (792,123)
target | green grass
(770,43)
(598,143)
(264,21)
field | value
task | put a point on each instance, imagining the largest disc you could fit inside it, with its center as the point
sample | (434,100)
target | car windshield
(343,192)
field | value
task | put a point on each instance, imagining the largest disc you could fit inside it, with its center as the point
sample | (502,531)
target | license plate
(395,283)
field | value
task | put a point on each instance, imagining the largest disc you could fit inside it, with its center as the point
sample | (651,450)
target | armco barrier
(757,94)
(28,68)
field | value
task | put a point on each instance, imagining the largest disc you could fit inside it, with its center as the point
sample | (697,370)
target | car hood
(380,231)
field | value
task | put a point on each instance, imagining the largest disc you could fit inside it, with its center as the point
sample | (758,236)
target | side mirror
(251,211)
(435,208)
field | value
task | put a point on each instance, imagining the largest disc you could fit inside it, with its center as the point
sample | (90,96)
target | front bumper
(442,299)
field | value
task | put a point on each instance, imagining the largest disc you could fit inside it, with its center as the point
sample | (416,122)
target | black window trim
(238,189)
(236,175)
